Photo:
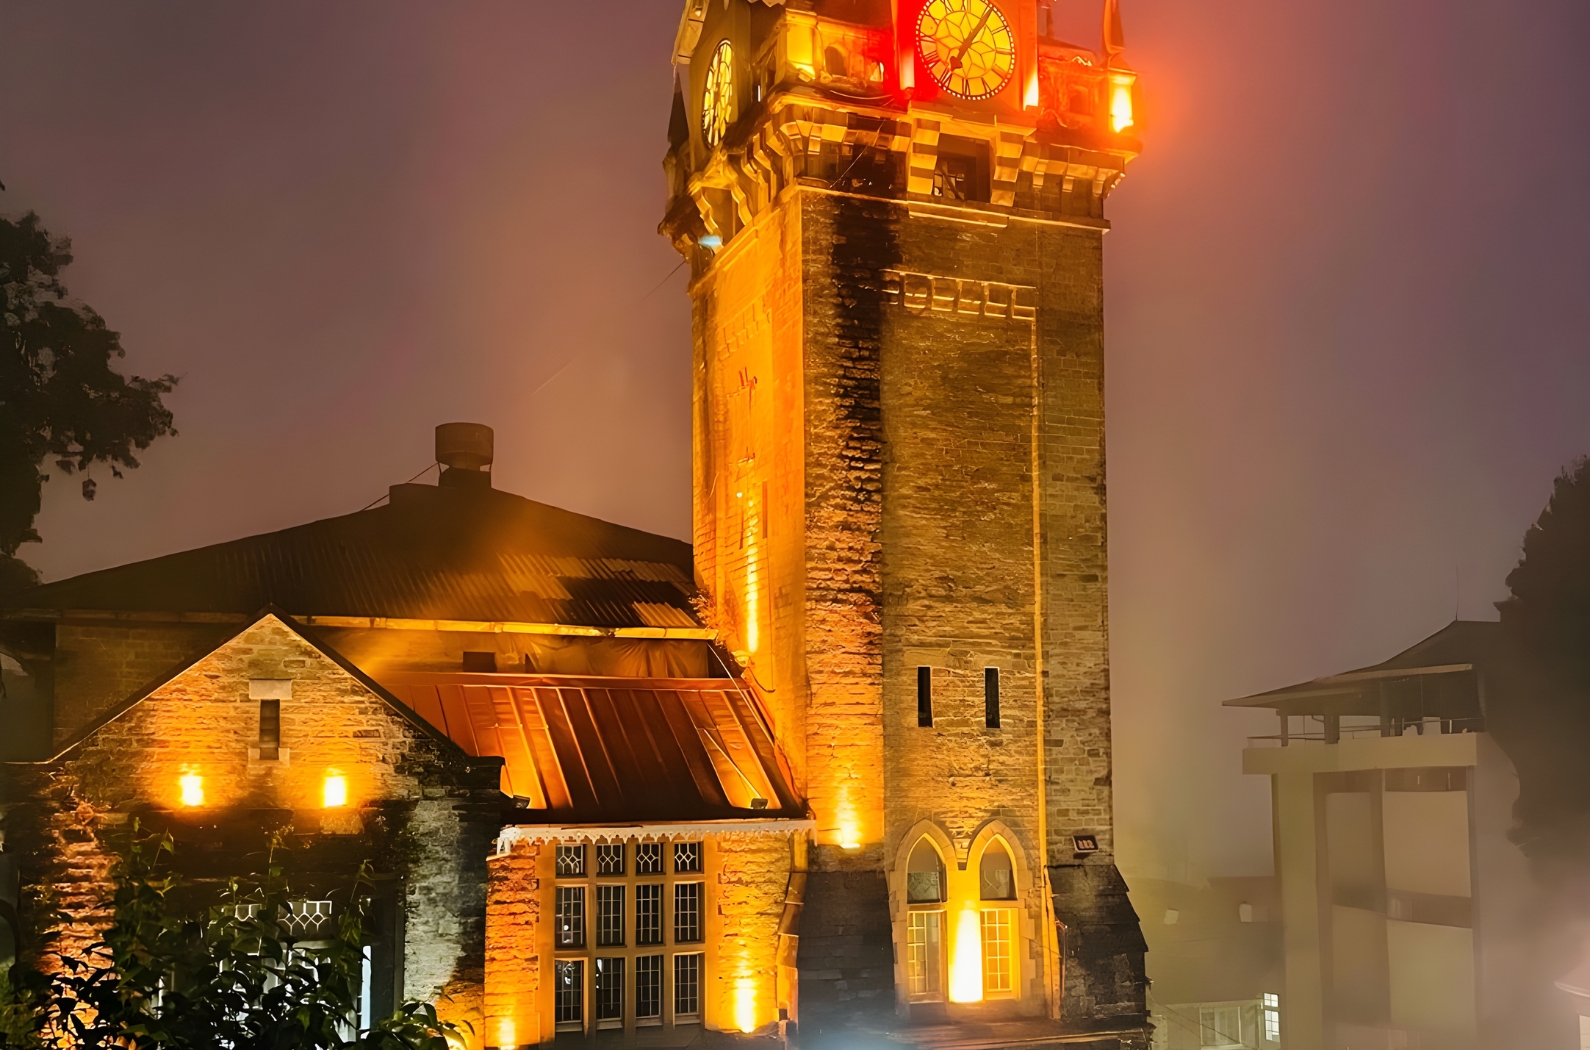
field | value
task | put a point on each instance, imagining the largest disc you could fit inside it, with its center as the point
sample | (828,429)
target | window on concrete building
(648,858)
(1272,1017)
(998,976)
(1220,1027)
(610,993)
(687,912)
(571,917)
(991,697)
(648,914)
(610,859)
(610,916)
(924,875)
(687,987)
(648,988)
(924,696)
(570,861)
(687,857)
(569,994)
(924,964)
(995,877)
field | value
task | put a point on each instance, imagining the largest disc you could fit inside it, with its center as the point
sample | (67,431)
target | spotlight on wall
(192,789)
(335,791)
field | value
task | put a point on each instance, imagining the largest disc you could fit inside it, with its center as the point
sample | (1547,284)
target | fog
(1346,309)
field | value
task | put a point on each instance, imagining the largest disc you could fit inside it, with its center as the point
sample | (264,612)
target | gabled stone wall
(418,809)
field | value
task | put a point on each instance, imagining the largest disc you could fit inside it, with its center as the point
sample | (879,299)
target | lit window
(610,859)
(687,857)
(648,914)
(687,986)
(569,992)
(610,916)
(925,956)
(1272,1017)
(687,912)
(609,990)
(648,986)
(334,792)
(192,786)
(570,861)
(648,858)
(997,977)
(571,917)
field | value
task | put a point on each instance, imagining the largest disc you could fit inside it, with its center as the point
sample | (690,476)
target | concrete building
(1214,961)
(1407,910)
(845,764)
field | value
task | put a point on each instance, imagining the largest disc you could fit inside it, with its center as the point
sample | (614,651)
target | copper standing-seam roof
(433,553)
(612,749)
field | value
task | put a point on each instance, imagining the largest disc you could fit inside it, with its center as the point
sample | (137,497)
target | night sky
(1348,306)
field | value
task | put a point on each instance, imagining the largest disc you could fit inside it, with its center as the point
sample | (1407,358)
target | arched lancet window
(996,875)
(924,879)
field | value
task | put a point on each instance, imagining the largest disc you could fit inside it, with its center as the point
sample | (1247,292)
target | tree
(170,976)
(60,397)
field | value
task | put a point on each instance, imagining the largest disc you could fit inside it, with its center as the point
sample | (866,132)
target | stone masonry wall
(752,873)
(97,666)
(513,959)
(416,806)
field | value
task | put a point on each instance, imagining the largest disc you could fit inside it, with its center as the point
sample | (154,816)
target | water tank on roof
(464,450)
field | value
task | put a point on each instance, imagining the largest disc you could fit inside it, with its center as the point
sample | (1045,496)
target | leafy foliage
(169,977)
(60,398)
(1541,714)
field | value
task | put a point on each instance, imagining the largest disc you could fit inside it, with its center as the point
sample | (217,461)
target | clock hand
(971,38)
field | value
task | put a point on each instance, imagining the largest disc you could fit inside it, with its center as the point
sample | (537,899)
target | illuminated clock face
(967,46)
(717,100)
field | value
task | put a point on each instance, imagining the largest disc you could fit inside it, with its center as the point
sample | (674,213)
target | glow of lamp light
(966,972)
(752,584)
(1121,107)
(506,1035)
(745,1005)
(335,793)
(192,789)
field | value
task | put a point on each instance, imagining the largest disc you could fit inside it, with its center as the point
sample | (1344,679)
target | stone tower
(894,216)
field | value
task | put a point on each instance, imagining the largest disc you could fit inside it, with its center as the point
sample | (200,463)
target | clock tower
(894,214)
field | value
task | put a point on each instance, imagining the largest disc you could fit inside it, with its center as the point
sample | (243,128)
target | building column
(1297,867)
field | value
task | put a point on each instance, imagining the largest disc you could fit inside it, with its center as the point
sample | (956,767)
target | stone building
(894,216)
(837,772)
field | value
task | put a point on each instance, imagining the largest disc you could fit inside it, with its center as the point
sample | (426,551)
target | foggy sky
(1348,303)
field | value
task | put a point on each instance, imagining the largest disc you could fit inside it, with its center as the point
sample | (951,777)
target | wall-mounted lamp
(192,789)
(711,242)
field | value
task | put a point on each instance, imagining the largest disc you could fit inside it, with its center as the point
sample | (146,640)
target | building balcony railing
(1332,729)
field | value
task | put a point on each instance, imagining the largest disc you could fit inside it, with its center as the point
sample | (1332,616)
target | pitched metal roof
(612,749)
(1454,649)
(432,553)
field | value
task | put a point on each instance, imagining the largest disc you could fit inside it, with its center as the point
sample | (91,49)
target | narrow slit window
(270,730)
(991,697)
(924,696)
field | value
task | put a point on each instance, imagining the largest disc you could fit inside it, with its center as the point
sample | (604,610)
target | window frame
(636,953)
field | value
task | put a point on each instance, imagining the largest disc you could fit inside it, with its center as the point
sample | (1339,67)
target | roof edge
(144,692)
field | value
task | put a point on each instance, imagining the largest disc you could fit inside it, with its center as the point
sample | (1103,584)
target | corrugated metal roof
(434,553)
(612,749)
